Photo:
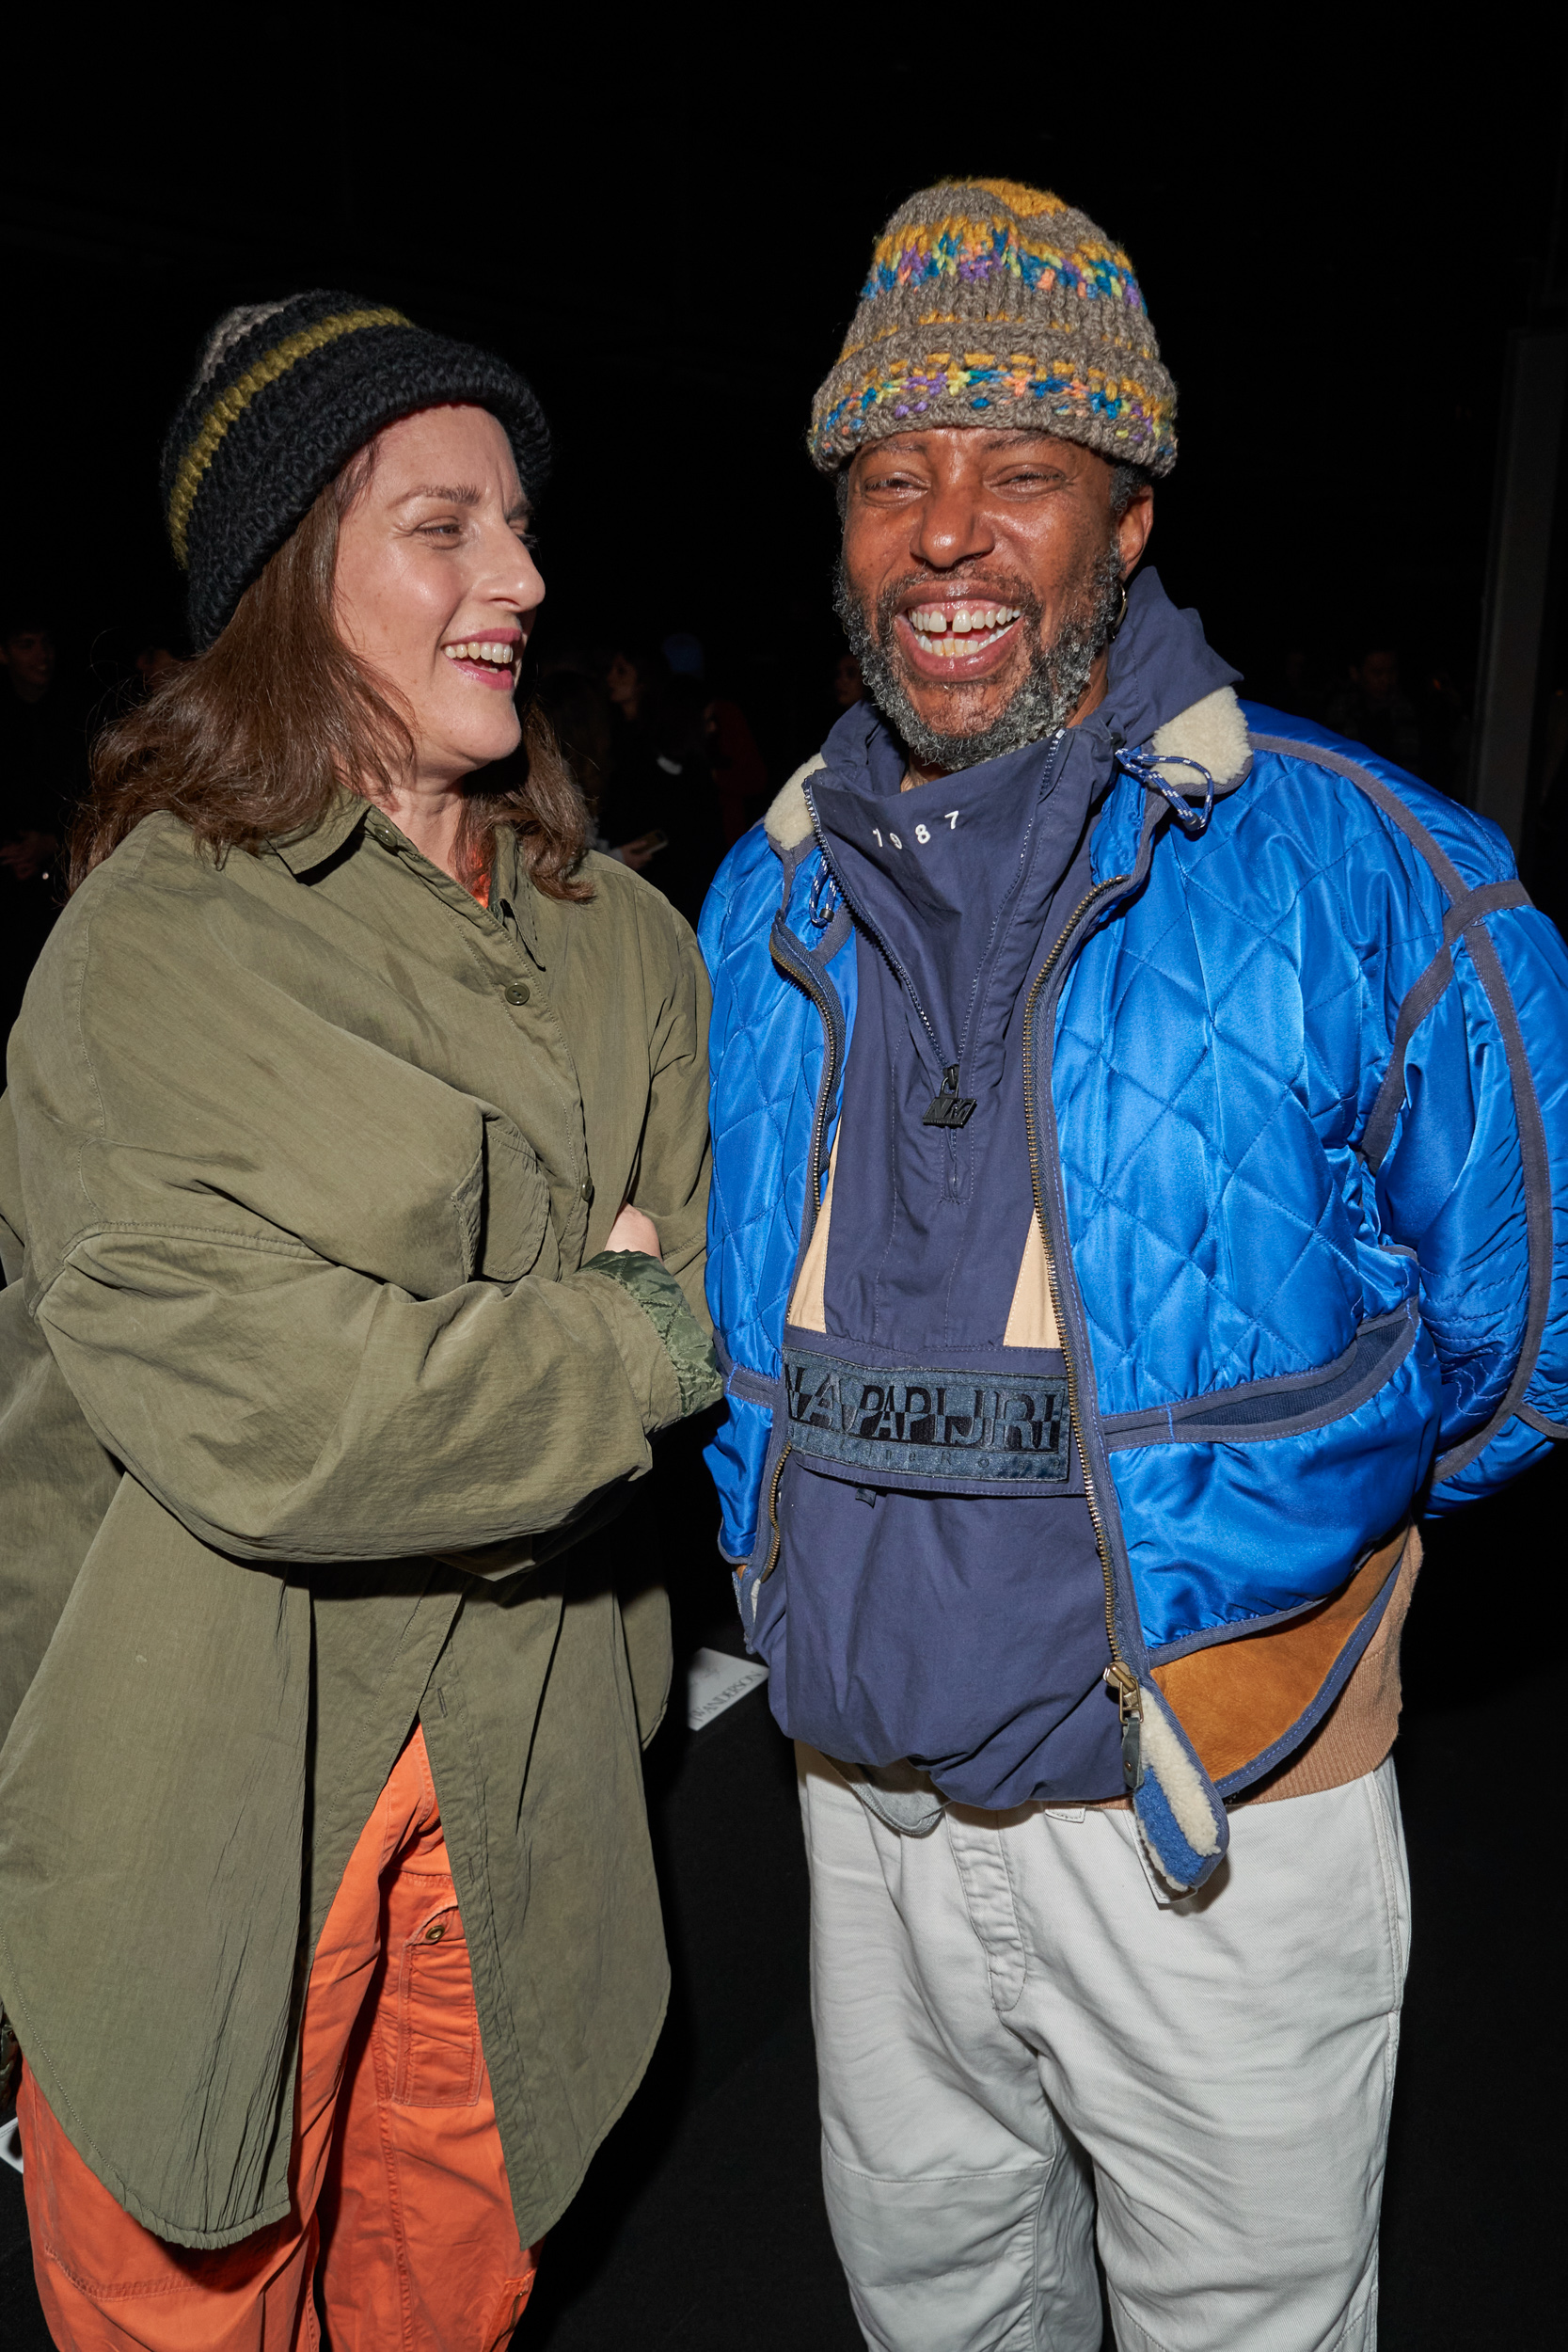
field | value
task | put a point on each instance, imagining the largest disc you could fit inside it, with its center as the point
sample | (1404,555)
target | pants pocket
(438,2061)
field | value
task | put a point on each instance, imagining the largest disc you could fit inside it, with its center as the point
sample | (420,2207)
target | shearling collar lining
(1213,733)
(788,823)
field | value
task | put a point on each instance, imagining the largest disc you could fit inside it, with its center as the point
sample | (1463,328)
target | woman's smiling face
(435,590)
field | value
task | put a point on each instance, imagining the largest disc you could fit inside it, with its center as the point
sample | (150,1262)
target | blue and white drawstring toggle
(1146,765)
(823,903)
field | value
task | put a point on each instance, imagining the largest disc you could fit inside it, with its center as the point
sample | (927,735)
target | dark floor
(701,2226)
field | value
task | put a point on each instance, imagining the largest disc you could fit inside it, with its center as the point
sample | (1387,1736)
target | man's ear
(1133,527)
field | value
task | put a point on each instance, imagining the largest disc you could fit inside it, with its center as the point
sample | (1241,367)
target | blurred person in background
(660,811)
(632,681)
(684,656)
(1373,708)
(849,684)
(1443,726)
(733,764)
(740,773)
(1301,687)
(353,1177)
(632,677)
(572,697)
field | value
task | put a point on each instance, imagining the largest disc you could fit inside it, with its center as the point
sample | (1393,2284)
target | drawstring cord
(1145,764)
(823,903)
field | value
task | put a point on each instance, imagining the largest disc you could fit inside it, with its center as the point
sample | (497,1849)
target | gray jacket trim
(1538,1204)
(747,1387)
(1282,1407)
(1527,1109)
(1391,1096)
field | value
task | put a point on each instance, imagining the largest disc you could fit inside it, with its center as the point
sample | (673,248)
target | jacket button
(433,1935)
(379,830)
(586,1189)
(517,991)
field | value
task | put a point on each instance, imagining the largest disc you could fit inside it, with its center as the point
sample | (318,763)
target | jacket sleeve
(286,1408)
(671,1183)
(1474,1178)
(293,1378)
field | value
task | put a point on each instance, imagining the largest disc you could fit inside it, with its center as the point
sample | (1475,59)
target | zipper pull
(1129,1706)
(949,1108)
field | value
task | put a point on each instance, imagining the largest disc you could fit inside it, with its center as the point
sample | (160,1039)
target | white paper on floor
(10,2143)
(714,1682)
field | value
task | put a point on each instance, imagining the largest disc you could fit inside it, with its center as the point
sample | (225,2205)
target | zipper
(773,1560)
(1118,1675)
(947,1108)
(805,979)
(875,935)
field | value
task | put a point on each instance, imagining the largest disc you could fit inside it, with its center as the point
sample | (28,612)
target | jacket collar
(302,852)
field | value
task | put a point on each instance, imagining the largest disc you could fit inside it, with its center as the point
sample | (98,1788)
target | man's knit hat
(284,394)
(990,303)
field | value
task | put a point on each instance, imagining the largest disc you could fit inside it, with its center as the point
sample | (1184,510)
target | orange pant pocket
(508,2309)
(438,2062)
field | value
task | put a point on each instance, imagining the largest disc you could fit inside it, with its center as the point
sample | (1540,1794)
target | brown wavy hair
(248,742)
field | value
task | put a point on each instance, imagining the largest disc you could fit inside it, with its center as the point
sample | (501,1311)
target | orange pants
(400,2211)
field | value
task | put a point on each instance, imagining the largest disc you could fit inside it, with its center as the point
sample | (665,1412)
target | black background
(1337,224)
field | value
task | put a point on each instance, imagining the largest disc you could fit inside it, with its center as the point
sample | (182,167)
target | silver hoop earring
(1115,624)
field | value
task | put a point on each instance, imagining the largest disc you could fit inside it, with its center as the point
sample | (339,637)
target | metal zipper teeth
(773,1560)
(830,1071)
(1126,1681)
(818,1125)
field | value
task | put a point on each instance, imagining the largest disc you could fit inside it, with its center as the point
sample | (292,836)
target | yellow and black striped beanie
(989,303)
(284,394)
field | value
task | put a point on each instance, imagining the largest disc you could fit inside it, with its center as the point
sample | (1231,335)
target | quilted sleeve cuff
(663,1301)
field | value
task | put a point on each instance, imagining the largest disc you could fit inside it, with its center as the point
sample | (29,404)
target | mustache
(1043,699)
(1007,588)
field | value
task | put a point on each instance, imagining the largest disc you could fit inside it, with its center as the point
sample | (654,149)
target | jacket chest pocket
(436,2060)
(514,1235)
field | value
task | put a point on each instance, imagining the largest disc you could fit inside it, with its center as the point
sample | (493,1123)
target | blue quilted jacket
(1300,1077)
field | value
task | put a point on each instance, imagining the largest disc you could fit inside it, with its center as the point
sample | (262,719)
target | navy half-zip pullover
(965,1631)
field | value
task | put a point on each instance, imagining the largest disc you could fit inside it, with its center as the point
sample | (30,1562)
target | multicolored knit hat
(990,303)
(285,393)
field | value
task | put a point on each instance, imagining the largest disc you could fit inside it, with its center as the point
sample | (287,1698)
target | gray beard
(1047,698)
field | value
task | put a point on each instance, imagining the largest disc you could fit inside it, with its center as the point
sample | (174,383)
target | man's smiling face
(980,579)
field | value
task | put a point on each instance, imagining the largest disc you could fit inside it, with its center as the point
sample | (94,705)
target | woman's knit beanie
(284,395)
(990,303)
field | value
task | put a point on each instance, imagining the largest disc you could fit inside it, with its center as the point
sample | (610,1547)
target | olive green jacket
(313,1395)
